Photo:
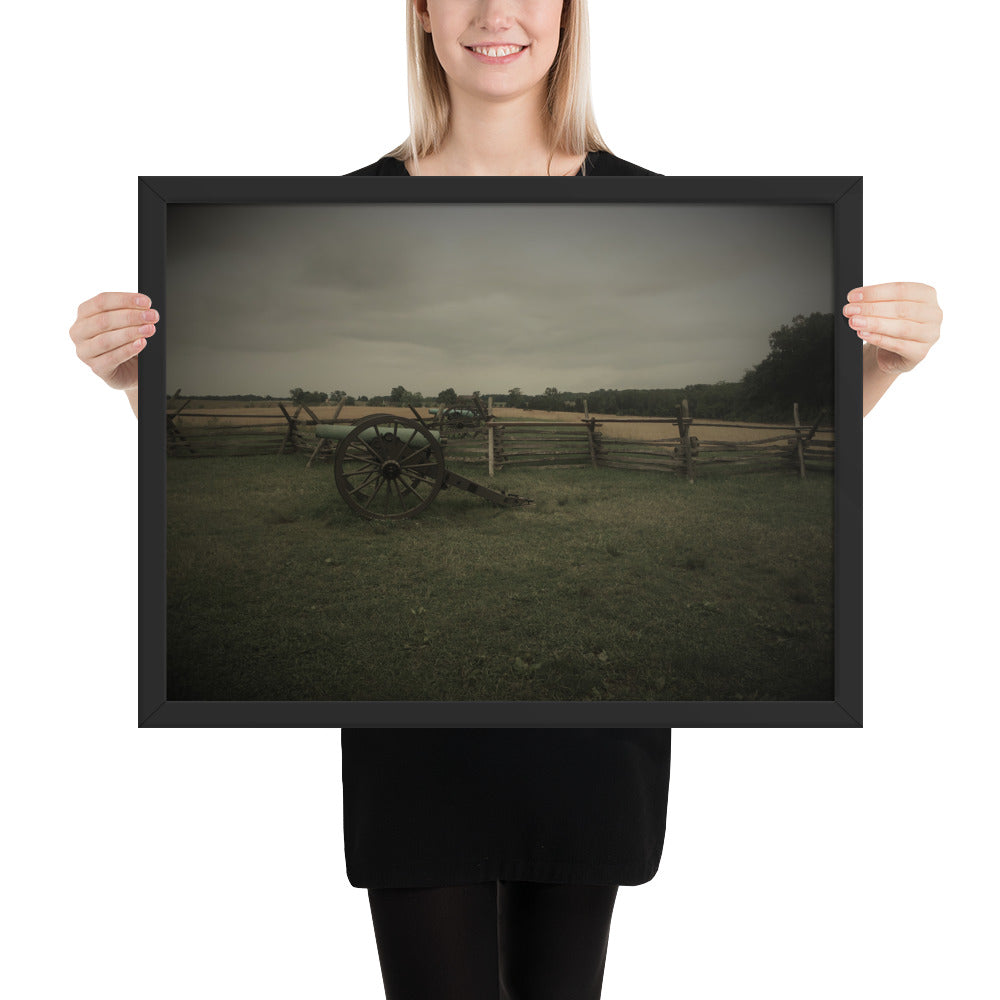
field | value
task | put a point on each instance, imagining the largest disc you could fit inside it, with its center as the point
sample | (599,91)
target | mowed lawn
(614,585)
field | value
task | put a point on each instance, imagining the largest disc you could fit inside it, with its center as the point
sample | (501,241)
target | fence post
(292,436)
(173,434)
(798,441)
(590,425)
(489,433)
(683,423)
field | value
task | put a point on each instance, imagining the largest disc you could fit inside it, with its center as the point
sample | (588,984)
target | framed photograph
(500,452)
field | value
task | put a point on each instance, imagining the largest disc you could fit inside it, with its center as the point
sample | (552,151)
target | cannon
(390,467)
(464,418)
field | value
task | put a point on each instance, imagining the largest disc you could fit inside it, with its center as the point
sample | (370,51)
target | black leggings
(493,941)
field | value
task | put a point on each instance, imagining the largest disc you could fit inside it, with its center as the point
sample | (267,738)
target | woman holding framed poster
(464,894)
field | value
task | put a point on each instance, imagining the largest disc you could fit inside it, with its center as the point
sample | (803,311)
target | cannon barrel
(404,433)
(434,411)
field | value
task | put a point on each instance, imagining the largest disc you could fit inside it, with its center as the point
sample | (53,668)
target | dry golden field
(650,429)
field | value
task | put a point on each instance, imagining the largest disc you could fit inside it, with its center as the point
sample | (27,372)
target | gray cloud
(364,297)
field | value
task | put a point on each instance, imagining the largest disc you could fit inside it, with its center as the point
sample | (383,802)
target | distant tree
(550,400)
(515,397)
(362,399)
(397,394)
(798,369)
(447,397)
(301,396)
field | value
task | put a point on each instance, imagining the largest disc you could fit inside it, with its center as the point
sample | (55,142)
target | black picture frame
(842,194)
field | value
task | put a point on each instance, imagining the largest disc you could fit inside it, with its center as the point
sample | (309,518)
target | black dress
(436,807)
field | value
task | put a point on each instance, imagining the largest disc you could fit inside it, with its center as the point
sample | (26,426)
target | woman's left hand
(902,319)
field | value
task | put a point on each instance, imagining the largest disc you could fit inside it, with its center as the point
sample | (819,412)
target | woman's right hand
(110,331)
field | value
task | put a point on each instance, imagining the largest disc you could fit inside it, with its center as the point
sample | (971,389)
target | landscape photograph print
(454,452)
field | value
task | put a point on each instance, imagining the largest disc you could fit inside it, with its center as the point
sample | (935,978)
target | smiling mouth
(495,51)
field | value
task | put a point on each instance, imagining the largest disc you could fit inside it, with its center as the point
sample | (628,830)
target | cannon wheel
(388,478)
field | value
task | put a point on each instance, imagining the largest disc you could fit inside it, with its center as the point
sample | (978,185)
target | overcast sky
(362,298)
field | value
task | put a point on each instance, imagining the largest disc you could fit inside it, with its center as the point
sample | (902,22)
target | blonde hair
(570,122)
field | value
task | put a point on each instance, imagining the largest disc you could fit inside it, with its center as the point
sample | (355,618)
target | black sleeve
(388,166)
(602,164)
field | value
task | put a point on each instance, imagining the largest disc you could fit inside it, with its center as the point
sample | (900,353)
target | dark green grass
(615,585)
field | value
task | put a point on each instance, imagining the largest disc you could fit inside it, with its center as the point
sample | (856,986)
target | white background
(209,863)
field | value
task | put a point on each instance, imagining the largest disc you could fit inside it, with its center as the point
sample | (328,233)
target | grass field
(613,586)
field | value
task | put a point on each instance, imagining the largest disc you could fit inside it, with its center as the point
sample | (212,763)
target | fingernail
(143,301)
(852,310)
(855,296)
(859,322)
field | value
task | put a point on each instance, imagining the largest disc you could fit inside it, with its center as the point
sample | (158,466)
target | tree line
(798,368)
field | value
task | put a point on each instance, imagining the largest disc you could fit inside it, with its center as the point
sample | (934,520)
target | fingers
(98,333)
(107,301)
(110,330)
(911,351)
(913,291)
(900,318)
(880,330)
(906,309)
(118,328)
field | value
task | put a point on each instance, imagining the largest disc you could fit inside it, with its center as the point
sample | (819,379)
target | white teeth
(503,50)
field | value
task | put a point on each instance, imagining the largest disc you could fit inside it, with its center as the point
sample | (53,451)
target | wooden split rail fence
(532,443)
(206,433)
(599,443)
